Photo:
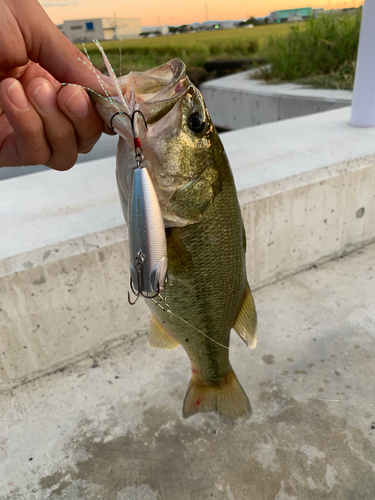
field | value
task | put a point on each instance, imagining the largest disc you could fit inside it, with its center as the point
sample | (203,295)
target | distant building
(290,15)
(318,12)
(105,28)
(228,25)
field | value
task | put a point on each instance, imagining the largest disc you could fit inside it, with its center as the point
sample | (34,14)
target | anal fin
(246,321)
(158,338)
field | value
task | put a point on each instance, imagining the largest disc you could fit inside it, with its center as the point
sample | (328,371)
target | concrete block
(308,219)
(55,312)
(240,109)
(239,101)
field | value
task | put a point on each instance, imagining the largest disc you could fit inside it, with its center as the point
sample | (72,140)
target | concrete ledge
(308,219)
(238,101)
(64,257)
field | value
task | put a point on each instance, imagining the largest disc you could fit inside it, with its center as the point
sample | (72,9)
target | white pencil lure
(147,241)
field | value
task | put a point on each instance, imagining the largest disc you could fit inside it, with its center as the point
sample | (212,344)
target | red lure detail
(137,142)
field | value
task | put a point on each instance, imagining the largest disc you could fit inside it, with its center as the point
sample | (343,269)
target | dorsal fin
(246,321)
(158,338)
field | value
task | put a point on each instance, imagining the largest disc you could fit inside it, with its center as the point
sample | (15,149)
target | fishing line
(109,97)
(200,331)
(112,74)
(86,53)
(101,81)
(189,324)
(93,69)
(120,50)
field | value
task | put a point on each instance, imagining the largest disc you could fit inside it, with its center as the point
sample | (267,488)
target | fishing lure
(147,241)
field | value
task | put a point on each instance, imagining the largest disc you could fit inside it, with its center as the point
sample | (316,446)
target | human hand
(42,121)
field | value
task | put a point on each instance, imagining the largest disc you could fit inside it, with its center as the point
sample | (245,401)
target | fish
(206,293)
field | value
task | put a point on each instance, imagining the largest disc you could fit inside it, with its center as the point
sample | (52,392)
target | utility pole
(363,105)
(114,25)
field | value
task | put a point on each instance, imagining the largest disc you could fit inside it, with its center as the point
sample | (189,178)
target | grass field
(193,48)
(323,54)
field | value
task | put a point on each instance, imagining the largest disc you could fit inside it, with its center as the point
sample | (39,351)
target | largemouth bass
(206,293)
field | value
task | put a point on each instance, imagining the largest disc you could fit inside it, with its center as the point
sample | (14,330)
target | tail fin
(227,398)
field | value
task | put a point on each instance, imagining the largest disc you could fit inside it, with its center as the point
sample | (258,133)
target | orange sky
(159,12)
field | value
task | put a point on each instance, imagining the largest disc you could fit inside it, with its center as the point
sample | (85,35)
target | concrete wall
(238,101)
(59,310)
(308,219)
(61,297)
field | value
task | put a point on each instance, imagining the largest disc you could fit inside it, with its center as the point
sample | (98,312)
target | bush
(326,45)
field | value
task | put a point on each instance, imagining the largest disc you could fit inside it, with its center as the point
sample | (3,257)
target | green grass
(193,48)
(322,53)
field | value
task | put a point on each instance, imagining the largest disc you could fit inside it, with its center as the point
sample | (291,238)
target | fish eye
(196,123)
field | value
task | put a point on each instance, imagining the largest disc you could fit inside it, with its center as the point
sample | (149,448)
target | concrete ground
(110,428)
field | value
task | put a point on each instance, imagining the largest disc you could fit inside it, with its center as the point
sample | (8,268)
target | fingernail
(17,96)
(45,98)
(77,104)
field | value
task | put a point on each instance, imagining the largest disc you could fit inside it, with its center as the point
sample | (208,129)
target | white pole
(363,106)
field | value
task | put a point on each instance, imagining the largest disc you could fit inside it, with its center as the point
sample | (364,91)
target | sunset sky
(159,12)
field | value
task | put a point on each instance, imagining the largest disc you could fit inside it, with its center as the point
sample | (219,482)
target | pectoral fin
(158,338)
(246,321)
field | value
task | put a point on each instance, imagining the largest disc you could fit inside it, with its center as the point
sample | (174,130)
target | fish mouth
(174,153)
(154,92)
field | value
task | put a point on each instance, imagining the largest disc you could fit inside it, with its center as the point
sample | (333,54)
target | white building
(105,28)
(228,25)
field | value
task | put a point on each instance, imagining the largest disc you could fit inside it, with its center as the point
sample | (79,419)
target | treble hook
(139,261)
(118,113)
(134,123)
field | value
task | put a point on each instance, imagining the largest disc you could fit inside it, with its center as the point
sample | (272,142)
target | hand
(42,121)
